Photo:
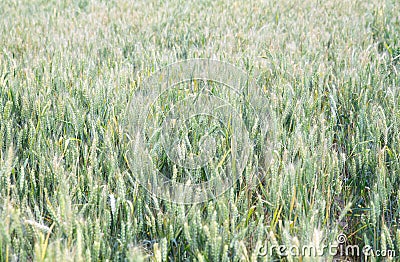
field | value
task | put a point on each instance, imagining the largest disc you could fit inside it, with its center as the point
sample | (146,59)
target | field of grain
(328,73)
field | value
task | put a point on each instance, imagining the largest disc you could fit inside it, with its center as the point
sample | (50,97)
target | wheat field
(328,71)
